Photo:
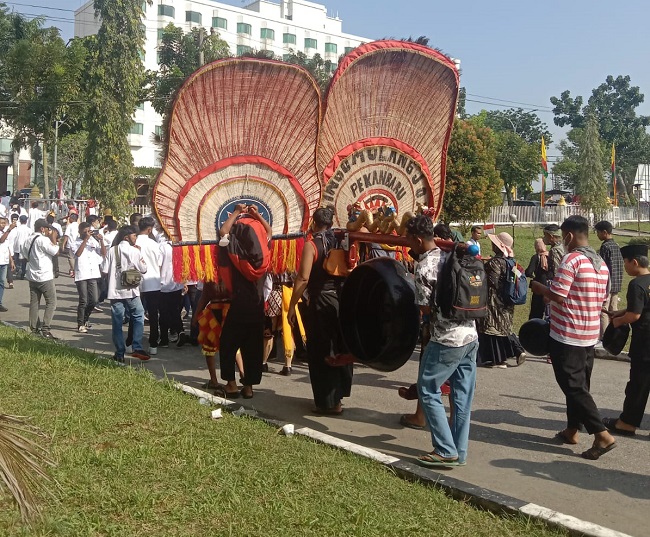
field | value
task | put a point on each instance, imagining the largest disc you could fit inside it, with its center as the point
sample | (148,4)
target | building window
(158,130)
(141,54)
(310,43)
(166,11)
(193,16)
(219,22)
(136,128)
(330,47)
(348,50)
(243,49)
(161,32)
(267,33)
(243,28)
(289,39)
(144,6)
(140,106)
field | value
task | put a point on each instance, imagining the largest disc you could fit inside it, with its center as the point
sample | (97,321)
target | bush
(640,240)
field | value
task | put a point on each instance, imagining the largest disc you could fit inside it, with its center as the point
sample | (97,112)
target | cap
(634,250)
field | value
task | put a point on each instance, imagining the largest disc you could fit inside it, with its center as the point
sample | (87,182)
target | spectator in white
(34,214)
(150,284)
(16,208)
(110,232)
(38,250)
(171,300)
(89,252)
(6,256)
(124,298)
(55,225)
(70,237)
(22,235)
(477,231)
(6,200)
(13,230)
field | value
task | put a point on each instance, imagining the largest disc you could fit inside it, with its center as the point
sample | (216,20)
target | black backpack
(461,291)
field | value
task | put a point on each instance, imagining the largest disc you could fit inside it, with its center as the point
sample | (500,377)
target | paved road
(516,413)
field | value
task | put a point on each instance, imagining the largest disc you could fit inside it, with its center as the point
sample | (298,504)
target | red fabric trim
(405,148)
(231,161)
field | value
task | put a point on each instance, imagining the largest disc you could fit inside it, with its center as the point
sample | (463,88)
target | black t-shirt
(247,299)
(638,301)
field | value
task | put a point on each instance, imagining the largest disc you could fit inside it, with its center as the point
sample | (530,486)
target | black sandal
(610,423)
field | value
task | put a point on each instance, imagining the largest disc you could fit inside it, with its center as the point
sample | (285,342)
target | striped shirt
(577,320)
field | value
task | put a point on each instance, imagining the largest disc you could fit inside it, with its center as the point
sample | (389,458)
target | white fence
(556,214)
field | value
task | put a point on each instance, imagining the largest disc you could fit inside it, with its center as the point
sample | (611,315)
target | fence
(536,215)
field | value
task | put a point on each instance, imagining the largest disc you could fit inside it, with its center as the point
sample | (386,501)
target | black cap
(634,250)
(552,229)
(41,223)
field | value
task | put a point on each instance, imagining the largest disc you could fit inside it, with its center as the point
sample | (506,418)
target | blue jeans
(3,276)
(134,308)
(458,365)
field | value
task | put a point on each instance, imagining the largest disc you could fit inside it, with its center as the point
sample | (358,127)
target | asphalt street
(515,416)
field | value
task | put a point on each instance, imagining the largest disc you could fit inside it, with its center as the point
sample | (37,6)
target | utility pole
(56,148)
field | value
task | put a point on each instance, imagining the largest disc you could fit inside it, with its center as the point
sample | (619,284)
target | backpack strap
(31,246)
(118,261)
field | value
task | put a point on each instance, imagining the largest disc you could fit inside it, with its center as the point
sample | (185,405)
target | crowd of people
(131,268)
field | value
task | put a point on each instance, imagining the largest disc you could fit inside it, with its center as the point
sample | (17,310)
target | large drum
(379,320)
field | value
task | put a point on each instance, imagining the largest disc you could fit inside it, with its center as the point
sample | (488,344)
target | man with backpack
(124,294)
(459,299)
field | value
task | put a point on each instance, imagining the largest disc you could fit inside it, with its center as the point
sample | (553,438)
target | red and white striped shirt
(577,320)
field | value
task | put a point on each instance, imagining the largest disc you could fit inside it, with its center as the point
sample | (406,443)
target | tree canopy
(472,183)
(591,186)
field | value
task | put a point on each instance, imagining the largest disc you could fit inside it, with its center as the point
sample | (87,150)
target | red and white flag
(489,229)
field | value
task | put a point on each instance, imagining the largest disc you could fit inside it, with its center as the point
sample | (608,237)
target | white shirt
(167,270)
(72,232)
(86,265)
(5,200)
(34,214)
(39,261)
(130,258)
(152,256)
(109,237)
(58,227)
(6,247)
(22,234)
(3,210)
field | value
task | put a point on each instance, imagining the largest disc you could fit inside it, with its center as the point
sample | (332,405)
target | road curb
(455,488)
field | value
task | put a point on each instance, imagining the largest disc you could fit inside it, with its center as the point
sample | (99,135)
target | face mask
(567,241)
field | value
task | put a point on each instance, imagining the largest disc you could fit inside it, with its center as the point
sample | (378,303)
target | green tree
(472,183)
(527,125)
(71,152)
(322,70)
(614,106)
(115,84)
(591,186)
(518,163)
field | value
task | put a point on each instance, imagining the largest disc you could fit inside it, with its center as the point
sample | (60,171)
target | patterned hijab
(540,249)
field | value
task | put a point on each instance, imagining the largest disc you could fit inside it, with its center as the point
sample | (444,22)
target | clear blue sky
(516,50)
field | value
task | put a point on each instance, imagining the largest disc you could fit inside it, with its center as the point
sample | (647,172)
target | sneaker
(140,355)
(88,325)
(10,286)
(118,358)
(48,335)
(3,309)
(501,366)
(153,351)
(82,329)
(521,358)
(98,309)
(129,349)
(182,339)
(286,371)
(173,337)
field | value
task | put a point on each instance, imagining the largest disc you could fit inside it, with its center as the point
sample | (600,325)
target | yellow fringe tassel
(290,260)
(208,264)
(185,275)
(198,267)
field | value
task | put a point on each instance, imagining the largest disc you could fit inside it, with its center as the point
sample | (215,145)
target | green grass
(137,457)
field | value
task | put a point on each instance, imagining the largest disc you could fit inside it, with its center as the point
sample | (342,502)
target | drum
(378,316)
(534,336)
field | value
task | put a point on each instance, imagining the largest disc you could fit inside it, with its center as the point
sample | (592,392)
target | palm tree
(22,464)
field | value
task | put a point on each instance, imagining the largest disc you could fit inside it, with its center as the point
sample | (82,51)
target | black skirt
(495,350)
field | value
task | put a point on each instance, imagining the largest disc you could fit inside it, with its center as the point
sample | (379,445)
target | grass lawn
(137,457)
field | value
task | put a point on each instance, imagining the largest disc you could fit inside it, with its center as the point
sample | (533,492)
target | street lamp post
(513,219)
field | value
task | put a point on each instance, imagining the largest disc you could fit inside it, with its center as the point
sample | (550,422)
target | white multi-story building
(281,27)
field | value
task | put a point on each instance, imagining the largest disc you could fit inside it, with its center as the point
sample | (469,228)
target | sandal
(410,393)
(610,423)
(433,460)
(596,452)
(404,421)
(334,411)
(564,439)
(246,395)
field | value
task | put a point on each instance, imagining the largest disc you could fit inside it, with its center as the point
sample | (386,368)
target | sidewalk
(516,413)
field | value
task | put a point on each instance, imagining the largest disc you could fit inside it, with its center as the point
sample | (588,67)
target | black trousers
(248,338)
(329,384)
(170,314)
(572,367)
(537,307)
(636,392)
(87,290)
